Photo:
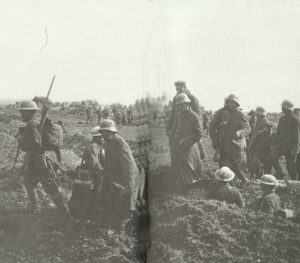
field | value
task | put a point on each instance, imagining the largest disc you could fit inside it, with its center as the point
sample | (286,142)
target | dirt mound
(8,146)
(76,142)
(193,230)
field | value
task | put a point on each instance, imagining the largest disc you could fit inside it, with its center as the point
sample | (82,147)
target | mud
(184,228)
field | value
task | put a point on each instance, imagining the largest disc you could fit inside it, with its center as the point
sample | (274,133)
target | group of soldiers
(121,116)
(113,177)
(116,180)
(239,144)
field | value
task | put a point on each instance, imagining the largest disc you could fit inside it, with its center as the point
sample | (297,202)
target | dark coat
(288,135)
(269,203)
(187,160)
(237,122)
(195,106)
(227,193)
(120,167)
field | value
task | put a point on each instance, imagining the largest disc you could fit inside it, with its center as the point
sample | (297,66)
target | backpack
(52,135)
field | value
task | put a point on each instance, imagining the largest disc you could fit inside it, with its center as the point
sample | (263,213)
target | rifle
(45,107)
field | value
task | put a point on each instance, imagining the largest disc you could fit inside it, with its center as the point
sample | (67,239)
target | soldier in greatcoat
(186,153)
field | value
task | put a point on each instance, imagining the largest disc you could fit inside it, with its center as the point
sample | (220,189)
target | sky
(122,50)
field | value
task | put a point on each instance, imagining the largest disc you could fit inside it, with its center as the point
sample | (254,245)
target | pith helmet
(260,111)
(180,83)
(182,98)
(28,105)
(108,125)
(287,105)
(268,179)
(224,174)
(96,131)
(234,98)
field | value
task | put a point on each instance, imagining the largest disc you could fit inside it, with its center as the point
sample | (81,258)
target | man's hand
(237,135)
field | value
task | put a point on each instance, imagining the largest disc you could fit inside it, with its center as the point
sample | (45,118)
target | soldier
(88,115)
(120,172)
(38,167)
(236,129)
(286,141)
(252,120)
(259,125)
(99,114)
(185,150)
(180,86)
(217,129)
(84,199)
(260,150)
(224,191)
(269,202)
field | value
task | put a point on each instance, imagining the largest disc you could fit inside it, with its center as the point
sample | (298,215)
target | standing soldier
(38,167)
(180,86)
(259,126)
(99,114)
(186,154)
(286,141)
(120,172)
(236,129)
(88,115)
(252,120)
(260,149)
(260,123)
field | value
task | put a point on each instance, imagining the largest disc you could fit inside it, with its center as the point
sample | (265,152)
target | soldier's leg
(274,157)
(30,182)
(291,166)
(267,164)
(48,181)
(238,161)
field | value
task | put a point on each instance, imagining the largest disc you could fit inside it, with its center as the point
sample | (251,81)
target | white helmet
(268,179)
(224,174)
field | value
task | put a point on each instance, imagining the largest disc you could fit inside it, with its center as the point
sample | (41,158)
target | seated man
(224,191)
(269,202)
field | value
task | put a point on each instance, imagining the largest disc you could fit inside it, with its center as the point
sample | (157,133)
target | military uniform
(38,168)
(187,159)
(287,143)
(93,160)
(269,203)
(227,193)
(260,149)
(232,150)
(120,168)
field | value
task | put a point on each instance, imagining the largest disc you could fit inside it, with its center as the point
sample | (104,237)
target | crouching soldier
(84,200)
(38,167)
(120,173)
(224,191)
(269,202)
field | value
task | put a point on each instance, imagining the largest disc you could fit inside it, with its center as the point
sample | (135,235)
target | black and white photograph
(149,131)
